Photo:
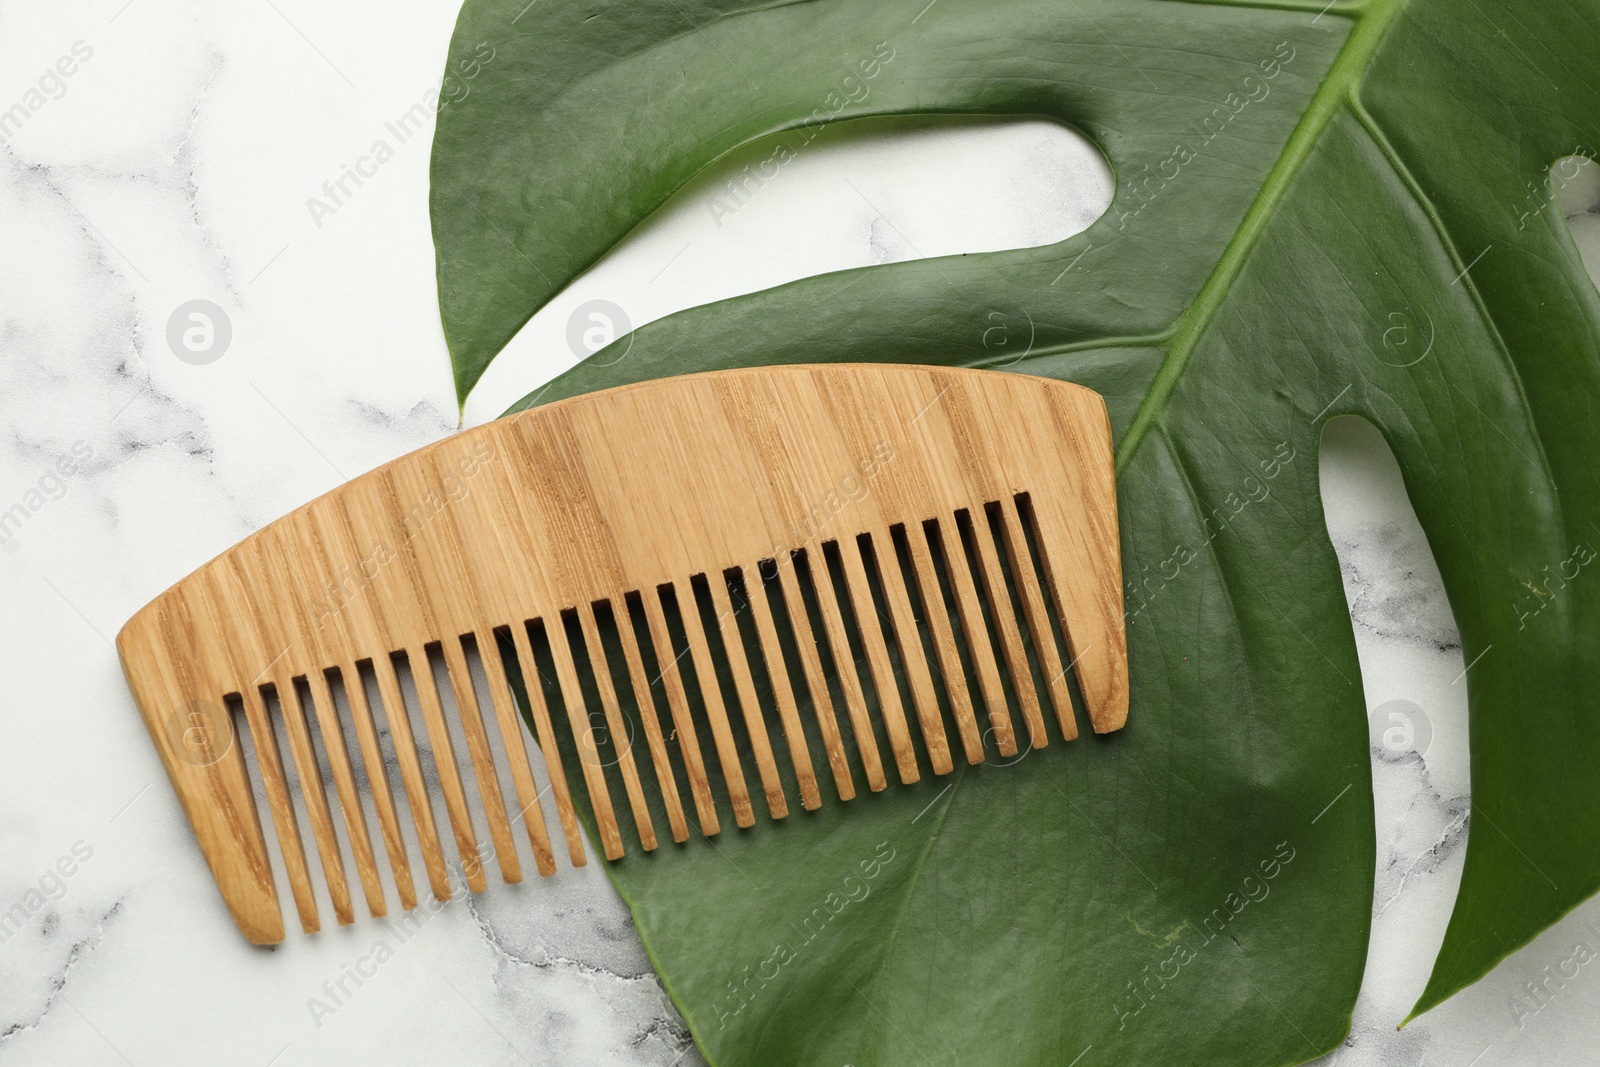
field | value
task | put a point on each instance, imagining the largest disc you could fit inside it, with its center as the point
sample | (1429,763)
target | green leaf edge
(1339,88)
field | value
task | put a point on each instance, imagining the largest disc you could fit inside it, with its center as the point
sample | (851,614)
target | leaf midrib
(1332,96)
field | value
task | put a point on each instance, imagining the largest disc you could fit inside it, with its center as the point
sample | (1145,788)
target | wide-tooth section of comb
(683,728)
(411,774)
(659,756)
(315,795)
(815,681)
(778,678)
(985,666)
(832,635)
(944,643)
(378,782)
(529,810)
(781,579)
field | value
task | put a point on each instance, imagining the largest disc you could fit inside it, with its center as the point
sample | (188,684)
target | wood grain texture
(903,514)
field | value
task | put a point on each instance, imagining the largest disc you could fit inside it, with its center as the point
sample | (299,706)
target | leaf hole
(852,193)
(1572,184)
(1413,668)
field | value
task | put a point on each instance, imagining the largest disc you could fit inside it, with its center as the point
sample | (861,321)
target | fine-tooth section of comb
(794,580)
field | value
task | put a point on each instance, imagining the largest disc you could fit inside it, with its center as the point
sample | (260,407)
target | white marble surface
(173,165)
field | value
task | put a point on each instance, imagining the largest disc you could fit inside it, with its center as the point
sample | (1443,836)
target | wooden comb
(704,530)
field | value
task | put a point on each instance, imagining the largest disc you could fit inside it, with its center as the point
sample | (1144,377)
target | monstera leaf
(1319,211)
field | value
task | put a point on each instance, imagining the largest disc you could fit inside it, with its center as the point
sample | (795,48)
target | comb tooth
(444,758)
(1005,621)
(1038,616)
(588,756)
(378,776)
(944,642)
(284,822)
(315,796)
(744,684)
(405,749)
(984,664)
(894,713)
(652,726)
(716,712)
(1085,577)
(849,678)
(618,727)
(471,715)
(547,745)
(783,695)
(504,705)
(682,721)
(805,639)
(344,781)
(911,652)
